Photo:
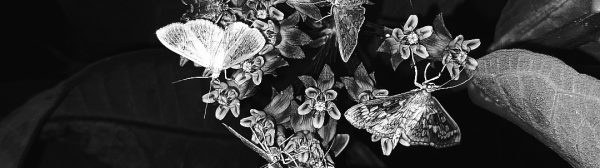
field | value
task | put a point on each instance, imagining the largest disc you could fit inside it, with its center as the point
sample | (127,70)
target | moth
(211,46)
(272,154)
(348,16)
(411,118)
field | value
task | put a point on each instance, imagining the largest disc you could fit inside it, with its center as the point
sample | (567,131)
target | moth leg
(414,65)
(436,77)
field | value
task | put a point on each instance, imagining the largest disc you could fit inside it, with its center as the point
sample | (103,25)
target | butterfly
(411,118)
(208,45)
(348,16)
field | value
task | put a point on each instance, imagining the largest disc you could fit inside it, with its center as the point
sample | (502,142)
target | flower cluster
(456,56)
(297,129)
(406,42)
(319,97)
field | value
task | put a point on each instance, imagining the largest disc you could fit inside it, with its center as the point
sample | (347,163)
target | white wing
(242,43)
(180,39)
(211,37)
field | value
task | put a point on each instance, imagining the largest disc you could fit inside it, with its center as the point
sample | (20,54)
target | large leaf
(546,98)
(526,20)
(125,112)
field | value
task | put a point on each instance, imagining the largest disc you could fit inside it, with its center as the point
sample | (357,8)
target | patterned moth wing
(411,118)
(349,17)
(208,45)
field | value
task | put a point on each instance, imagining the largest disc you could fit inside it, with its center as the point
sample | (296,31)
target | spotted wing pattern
(411,118)
(349,17)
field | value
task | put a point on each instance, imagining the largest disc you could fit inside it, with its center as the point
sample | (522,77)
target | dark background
(54,39)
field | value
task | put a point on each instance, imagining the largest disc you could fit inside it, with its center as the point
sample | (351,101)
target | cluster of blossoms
(312,117)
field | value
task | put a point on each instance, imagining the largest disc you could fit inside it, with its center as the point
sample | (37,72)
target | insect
(213,10)
(210,46)
(348,16)
(272,154)
(411,118)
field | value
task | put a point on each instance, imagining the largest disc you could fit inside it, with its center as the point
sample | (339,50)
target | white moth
(211,46)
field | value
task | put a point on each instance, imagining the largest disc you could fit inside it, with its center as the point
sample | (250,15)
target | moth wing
(348,20)
(435,127)
(248,143)
(379,116)
(210,35)
(241,42)
(178,38)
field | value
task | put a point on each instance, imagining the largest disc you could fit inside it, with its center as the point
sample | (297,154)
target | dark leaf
(339,143)
(526,20)
(327,132)
(279,104)
(126,112)
(546,98)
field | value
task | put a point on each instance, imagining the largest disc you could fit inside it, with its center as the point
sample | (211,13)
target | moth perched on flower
(361,87)
(319,97)
(406,42)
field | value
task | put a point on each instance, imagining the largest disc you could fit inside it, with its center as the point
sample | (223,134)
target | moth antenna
(450,87)
(195,77)
(436,77)
(451,78)
(411,5)
(425,73)
(287,139)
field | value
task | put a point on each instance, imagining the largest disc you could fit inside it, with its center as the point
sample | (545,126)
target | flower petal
(295,36)
(303,157)
(375,138)
(235,110)
(326,78)
(318,119)
(311,92)
(257,77)
(471,63)
(411,23)
(272,62)
(363,97)
(305,108)
(209,97)
(471,44)
(258,61)
(221,112)
(270,137)
(267,48)
(308,81)
(333,111)
(275,13)
(458,40)
(424,32)
(330,95)
(248,121)
(289,147)
(387,146)
(404,51)
(456,72)
(421,51)
(290,51)
(380,93)
(260,25)
(397,34)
